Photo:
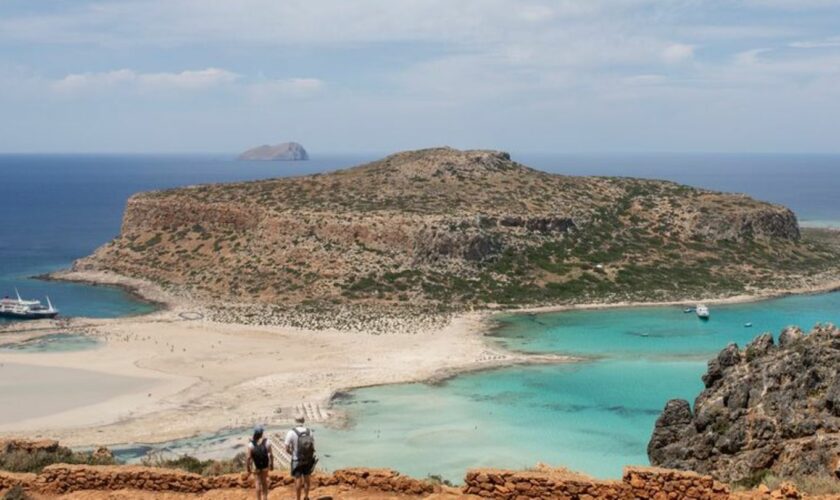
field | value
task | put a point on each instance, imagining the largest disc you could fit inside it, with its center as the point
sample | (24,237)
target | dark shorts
(299,469)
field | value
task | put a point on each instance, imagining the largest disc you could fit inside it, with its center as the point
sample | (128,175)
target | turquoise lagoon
(595,416)
(654,332)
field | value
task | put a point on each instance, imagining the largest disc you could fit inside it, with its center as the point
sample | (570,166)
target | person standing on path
(260,458)
(300,444)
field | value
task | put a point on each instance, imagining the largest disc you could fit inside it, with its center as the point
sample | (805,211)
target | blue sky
(384,75)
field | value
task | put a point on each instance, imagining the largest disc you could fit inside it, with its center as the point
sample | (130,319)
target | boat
(26,309)
(748,325)
(688,310)
(702,311)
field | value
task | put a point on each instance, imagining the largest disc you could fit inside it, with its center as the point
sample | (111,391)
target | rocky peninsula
(770,408)
(440,230)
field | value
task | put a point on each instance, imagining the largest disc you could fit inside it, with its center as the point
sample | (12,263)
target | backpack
(259,454)
(305,446)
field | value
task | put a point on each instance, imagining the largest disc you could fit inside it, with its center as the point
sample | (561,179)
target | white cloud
(315,23)
(536,13)
(750,57)
(643,80)
(84,81)
(677,53)
(189,80)
(833,41)
(459,68)
(290,87)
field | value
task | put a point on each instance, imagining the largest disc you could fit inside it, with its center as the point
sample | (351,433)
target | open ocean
(593,417)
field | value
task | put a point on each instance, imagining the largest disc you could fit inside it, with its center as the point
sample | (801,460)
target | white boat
(26,309)
(702,311)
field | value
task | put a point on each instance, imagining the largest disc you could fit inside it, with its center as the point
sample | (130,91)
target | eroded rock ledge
(770,407)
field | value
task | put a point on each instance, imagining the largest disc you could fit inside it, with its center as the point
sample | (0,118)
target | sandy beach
(173,374)
(824,284)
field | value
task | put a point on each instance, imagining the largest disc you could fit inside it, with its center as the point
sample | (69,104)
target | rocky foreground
(440,230)
(60,480)
(770,408)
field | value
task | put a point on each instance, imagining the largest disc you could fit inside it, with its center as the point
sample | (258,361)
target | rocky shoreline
(770,408)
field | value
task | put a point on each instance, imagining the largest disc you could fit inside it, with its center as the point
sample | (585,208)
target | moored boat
(702,311)
(26,309)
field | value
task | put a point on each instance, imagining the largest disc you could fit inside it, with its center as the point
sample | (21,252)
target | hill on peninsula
(447,229)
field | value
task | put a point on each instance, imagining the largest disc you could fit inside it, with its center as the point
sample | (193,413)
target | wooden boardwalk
(281,458)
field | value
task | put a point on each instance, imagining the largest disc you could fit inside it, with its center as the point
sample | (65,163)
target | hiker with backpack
(300,444)
(261,459)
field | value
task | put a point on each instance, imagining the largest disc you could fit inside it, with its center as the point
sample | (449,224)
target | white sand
(209,376)
(33,391)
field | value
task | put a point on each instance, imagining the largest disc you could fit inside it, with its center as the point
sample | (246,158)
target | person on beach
(300,444)
(261,459)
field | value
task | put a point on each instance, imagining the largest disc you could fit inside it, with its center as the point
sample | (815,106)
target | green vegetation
(16,493)
(26,461)
(189,463)
(809,485)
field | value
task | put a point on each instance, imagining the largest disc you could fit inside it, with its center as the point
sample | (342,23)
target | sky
(540,76)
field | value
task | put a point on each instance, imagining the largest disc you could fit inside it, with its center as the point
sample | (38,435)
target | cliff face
(288,151)
(450,227)
(768,407)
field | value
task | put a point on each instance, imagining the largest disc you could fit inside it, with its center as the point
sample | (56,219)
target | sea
(594,416)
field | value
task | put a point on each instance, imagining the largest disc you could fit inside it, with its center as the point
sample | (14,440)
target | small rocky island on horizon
(286,151)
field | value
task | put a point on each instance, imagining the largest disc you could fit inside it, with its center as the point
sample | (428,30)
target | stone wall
(63,478)
(542,483)
(9,480)
(638,482)
(666,484)
(501,484)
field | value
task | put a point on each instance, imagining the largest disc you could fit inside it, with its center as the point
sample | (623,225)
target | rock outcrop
(448,228)
(767,408)
(287,151)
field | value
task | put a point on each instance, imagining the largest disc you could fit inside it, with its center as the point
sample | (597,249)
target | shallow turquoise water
(58,342)
(75,299)
(661,331)
(593,417)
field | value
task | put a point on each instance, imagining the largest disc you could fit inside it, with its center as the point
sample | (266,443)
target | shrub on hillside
(16,493)
(196,466)
(35,461)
